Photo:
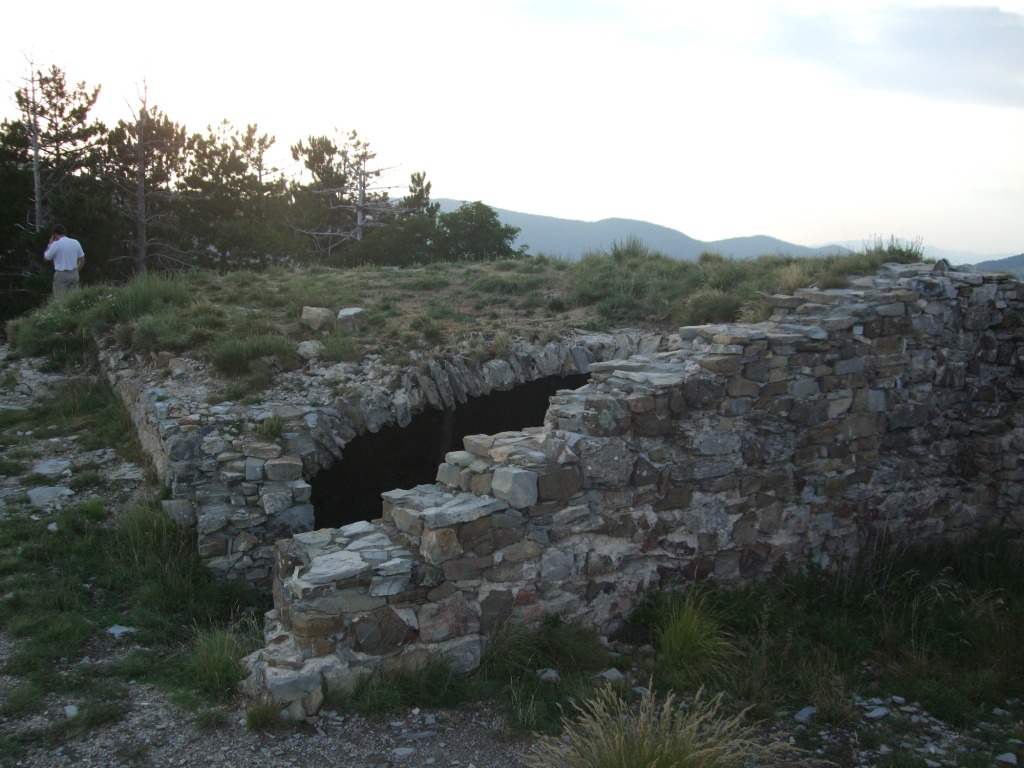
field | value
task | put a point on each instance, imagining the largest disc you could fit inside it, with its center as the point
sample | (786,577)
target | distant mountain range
(1012,264)
(570,239)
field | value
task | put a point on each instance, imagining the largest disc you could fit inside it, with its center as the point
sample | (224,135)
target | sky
(806,120)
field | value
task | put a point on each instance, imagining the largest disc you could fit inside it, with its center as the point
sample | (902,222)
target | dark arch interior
(396,457)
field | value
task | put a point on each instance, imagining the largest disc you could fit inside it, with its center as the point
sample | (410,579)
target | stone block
(180,510)
(335,566)
(461,654)
(351,320)
(723,364)
(494,608)
(317,318)
(516,486)
(652,424)
(520,550)
(466,567)
(605,416)
(262,450)
(254,469)
(309,624)
(556,565)
(717,443)
(558,484)
(438,545)
(381,632)
(460,458)
(288,685)
(283,468)
(310,350)
(804,388)
(605,462)
(481,484)
(450,618)
(462,508)
(407,520)
(388,586)
(448,474)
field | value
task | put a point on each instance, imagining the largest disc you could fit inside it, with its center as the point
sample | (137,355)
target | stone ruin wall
(241,492)
(889,410)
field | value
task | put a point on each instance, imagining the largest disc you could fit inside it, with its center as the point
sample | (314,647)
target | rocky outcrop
(889,410)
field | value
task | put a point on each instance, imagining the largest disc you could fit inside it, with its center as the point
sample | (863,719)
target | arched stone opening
(396,457)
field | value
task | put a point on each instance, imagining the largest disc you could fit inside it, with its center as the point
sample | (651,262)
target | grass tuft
(692,645)
(213,662)
(659,732)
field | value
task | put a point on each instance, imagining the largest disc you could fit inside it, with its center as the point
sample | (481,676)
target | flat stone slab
(40,497)
(51,467)
(335,566)
(463,508)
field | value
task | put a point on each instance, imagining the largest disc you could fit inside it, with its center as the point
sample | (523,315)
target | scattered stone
(805,714)
(119,631)
(51,467)
(41,497)
(549,676)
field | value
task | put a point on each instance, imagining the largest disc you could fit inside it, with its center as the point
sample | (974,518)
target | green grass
(935,625)
(692,646)
(235,355)
(242,318)
(212,661)
(271,428)
(64,584)
(90,408)
(264,716)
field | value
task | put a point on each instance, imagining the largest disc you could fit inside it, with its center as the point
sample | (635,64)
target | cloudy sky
(808,120)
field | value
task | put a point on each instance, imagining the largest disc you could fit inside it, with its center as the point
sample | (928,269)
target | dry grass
(609,732)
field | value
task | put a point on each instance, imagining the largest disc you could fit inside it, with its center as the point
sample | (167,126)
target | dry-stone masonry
(888,410)
(243,492)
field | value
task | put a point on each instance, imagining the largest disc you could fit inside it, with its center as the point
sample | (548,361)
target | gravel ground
(156,733)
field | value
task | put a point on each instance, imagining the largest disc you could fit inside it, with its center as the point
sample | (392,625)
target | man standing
(67,256)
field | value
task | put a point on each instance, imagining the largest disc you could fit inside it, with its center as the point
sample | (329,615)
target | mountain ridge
(571,238)
(1012,264)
